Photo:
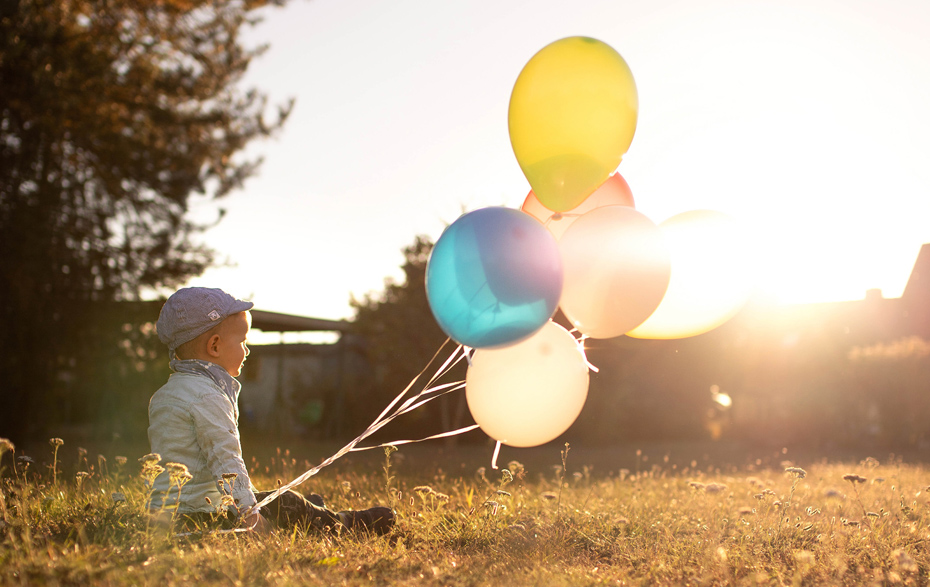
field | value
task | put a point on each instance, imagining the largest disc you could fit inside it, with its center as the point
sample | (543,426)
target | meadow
(656,522)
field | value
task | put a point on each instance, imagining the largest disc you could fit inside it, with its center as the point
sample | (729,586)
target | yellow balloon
(572,117)
(709,283)
(530,392)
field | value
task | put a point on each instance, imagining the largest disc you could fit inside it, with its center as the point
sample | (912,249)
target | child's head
(207,324)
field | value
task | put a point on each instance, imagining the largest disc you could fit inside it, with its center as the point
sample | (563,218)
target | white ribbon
(426,395)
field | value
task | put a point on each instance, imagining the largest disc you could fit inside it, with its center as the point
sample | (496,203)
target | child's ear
(213,345)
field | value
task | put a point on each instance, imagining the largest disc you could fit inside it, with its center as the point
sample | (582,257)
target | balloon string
(581,340)
(385,417)
(497,450)
(433,437)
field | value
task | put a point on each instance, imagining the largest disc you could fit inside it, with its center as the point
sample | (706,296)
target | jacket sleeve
(218,435)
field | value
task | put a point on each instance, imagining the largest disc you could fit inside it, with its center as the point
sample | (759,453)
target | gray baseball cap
(191,311)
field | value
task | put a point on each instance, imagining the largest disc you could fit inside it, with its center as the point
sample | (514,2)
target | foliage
(401,336)
(826,523)
(113,114)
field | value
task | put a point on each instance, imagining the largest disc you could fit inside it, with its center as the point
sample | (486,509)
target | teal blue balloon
(494,277)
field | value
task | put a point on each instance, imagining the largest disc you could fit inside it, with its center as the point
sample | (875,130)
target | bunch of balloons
(497,275)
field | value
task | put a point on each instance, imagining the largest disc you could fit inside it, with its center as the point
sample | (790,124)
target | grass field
(560,522)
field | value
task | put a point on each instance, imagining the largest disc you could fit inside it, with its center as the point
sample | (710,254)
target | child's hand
(258,523)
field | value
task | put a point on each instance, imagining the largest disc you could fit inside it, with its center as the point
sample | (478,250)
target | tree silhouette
(400,337)
(113,113)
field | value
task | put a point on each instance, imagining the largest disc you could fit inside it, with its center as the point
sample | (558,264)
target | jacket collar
(219,375)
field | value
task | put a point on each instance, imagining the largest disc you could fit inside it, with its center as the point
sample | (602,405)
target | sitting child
(193,420)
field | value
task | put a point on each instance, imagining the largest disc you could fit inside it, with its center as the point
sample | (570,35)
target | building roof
(918,285)
(275,322)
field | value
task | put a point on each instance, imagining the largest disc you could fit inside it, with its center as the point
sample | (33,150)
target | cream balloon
(616,269)
(710,265)
(613,192)
(528,393)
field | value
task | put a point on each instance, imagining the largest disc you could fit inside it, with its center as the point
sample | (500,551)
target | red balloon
(613,192)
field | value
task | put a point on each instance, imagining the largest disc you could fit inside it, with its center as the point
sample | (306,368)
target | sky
(806,121)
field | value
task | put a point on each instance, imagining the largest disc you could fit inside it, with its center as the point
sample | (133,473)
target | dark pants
(291,509)
(288,510)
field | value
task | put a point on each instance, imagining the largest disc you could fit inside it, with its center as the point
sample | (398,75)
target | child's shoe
(378,520)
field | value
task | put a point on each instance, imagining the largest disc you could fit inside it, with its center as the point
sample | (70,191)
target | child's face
(231,346)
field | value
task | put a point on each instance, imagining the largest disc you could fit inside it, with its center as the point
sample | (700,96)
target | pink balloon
(613,192)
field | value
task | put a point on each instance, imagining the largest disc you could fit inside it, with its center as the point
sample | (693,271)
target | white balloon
(528,393)
(616,268)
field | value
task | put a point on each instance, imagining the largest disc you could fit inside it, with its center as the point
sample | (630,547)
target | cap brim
(240,306)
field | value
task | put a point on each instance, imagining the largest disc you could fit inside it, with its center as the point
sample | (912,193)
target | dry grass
(827,524)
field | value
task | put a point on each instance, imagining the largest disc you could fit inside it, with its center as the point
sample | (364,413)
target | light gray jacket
(193,420)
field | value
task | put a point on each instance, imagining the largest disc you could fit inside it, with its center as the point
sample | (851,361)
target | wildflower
(516,468)
(175,469)
(6,446)
(798,471)
(118,497)
(696,486)
(150,458)
(440,496)
(82,452)
(715,488)
(577,476)
(120,461)
(26,460)
(82,474)
(549,495)
(854,478)
(230,479)
(56,442)
(506,476)
(150,468)
(178,474)
(850,522)
(227,501)
(207,498)
(834,493)
(502,492)
(745,511)
(759,496)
